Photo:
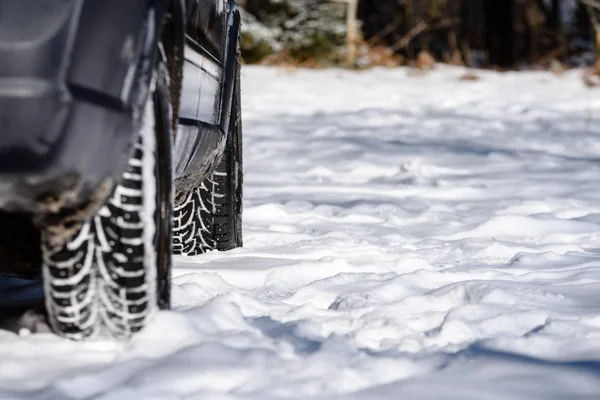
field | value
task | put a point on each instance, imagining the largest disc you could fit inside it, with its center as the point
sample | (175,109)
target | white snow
(406,237)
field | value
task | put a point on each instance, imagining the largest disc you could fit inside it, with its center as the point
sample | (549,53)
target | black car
(120,145)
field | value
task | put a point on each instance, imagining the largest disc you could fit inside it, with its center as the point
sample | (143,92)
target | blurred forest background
(501,34)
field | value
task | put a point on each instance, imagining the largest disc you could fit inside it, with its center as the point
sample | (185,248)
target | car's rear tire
(113,273)
(210,216)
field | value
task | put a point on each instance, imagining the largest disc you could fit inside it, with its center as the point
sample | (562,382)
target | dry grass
(370,56)
(285,60)
(469,76)
(557,68)
(381,56)
(455,58)
(591,77)
(425,61)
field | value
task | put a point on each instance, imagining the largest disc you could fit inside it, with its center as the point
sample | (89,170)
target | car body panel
(209,67)
(69,106)
(73,80)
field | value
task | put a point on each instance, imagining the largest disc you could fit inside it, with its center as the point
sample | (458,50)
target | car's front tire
(113,273)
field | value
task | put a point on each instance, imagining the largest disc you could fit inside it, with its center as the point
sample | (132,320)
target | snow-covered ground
(414,237)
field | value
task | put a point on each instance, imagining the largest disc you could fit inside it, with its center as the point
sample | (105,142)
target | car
(120,145)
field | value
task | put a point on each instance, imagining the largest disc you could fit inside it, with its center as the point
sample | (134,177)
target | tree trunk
(500,37)
(557,27)
(410,17)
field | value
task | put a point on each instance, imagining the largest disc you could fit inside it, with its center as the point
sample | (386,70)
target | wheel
(210,216)
(113,273)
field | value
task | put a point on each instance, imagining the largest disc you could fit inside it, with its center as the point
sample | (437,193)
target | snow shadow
(433,131)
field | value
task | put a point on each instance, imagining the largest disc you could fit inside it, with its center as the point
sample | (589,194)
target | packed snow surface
(406,236)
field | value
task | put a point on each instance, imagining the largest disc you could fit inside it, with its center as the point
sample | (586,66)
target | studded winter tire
(210,216)
(113,273)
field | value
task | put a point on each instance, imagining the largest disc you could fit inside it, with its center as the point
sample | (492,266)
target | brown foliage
(286,60)
(382,56)
(425,60)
